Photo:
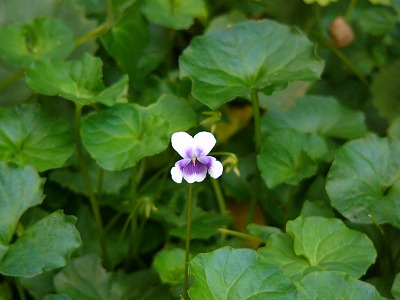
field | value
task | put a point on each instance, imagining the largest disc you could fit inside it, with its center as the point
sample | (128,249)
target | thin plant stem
(21,292)
(187,246)
(220,196)
(241,235)
(100,179)
(350,9)
(257,142)
(95,33)
(348,63)
(256,117)
(10,80)
(88,186)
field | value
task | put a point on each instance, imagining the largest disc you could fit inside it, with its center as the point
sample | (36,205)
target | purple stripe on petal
(195,168)
(181,164)
(206,161)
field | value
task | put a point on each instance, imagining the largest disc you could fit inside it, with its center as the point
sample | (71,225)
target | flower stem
(256,117)
(88,186)
(187,247)
(21,292)
(10,80)
(241,235)
(350,9)
(220,197)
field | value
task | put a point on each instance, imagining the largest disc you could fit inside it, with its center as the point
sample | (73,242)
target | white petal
(183,143)
(176,175)
(195,177)
(216,169)
(204,141)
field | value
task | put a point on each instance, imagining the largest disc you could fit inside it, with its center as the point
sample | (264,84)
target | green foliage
(318,244)
(229,63)
(363,181)
(38,40)
(229,273)
(302,98)
(30,135)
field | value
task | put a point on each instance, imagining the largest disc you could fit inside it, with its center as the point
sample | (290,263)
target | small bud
(341,32)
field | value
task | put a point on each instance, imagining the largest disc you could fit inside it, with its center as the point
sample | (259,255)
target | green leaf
(175,14)
(203,224)
(335,285)
(385,90)
(320,2)
(295,139)
(67,11)
(229,273)
(289,156)
(112,182)
(85,279)
(377,21)
(45,245)
(364,180)
(319,244)
(78,81)
(20,189)
(138,47)
(119,137)
(309,116)
(30,135)
(262,231)
(40,39)
(317,208)
(381,2)
(169,264)
(176,110)
(396,287)
(261,55)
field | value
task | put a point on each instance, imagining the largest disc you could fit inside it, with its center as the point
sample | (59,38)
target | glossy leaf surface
(229,63)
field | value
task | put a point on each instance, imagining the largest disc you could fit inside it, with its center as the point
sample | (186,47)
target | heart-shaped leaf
(138,47)
(29,135)
(49,242)
(289,156)
(20,189)
(364,180)
(78,81)
(40,39)
(119,137)
(232,274)
(318,243)
(262,55)
(335,285)
(175,14)
(294,140)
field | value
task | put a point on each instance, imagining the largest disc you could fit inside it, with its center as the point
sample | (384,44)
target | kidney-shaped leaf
(40,39)
(262,55)
(136,45)
(119,137)
(335,285)
(20,189)
(177,14)
(364,180)
(45,245)
(29,135)
(78,81)
(318,243)
(232,274)
(289,156)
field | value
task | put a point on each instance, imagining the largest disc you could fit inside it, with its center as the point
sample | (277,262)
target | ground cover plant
(192,149)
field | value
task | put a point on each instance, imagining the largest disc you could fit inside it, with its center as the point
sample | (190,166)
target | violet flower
(195,163)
